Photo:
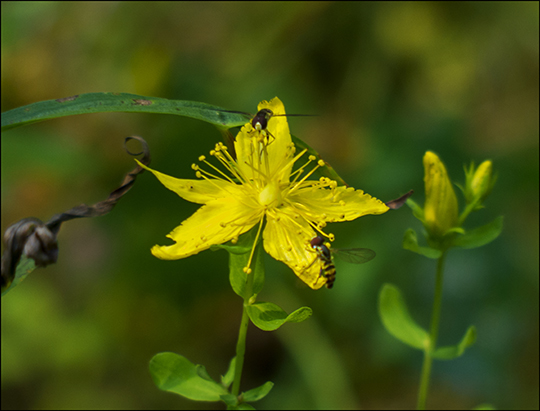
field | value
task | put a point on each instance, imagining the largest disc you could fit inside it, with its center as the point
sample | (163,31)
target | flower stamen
(247,268)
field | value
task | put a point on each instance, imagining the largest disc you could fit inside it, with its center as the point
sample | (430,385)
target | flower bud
(479,182)
(441,208)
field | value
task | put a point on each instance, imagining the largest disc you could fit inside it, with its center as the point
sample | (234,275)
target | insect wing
(355,255)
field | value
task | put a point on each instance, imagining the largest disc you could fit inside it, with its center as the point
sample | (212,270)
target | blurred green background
(388,82)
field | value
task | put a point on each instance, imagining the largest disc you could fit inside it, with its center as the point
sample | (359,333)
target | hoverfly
(325,256)
(259,121)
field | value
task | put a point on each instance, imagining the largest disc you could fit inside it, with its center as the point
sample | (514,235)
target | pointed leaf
(418,211)
(454,351)
(26,266)
(269,317)
(480,236)
(258,393)
(397,320)
(410,242)
(228,378)
(238,277)
(119,102)
(174,373)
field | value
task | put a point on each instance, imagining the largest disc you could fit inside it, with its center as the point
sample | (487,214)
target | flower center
(270,196)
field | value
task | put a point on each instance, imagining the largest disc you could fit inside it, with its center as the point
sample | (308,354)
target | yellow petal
(279,149)
(196,191)
(340,204)
(214,223)
(287,239)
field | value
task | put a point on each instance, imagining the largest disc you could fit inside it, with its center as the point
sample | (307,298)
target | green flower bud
(441,207)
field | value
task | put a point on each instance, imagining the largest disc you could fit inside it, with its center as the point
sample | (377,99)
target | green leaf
(258,393)
(326,170)
(269,317)
(174,373)
(228,378)
(230,400)
(237,262)
(119,102)
(454,351)
(397,320)
(26,266)
(418,211)
(410,242)
(480,236)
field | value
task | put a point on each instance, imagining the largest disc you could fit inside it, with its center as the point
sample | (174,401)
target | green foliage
(410,242)
(25,267)
(480,236)
(397,320)
(454,351)
(227,379)
(269,317)
(118,102)
(174,373)
(237,262)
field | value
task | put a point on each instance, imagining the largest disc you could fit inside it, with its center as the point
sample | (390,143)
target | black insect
(259,121)
(325,256)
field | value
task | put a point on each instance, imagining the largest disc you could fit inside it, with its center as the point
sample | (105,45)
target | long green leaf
(480,236)
(397,320)
(175,373)
(119,102)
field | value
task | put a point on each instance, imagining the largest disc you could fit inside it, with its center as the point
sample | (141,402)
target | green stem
(434,331)
(241,344)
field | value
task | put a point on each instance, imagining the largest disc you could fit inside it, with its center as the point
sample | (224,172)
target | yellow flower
(261,185)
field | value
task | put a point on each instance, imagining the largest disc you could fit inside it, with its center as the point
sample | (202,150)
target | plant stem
(241,344)
(434,331)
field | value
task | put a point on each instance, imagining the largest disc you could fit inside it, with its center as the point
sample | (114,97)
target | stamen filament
(247,268)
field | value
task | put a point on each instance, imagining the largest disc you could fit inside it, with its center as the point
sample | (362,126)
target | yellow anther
(247,270)
(321,163)
(312,158)
(198,174)
(202,158)
(194,166)
(331,237)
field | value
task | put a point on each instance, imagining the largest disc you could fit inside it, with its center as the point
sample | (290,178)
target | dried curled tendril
(37,240)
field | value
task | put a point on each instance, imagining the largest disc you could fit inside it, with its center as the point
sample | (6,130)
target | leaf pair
(174,373)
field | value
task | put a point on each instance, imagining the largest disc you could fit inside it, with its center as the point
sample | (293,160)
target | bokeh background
(388,82)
